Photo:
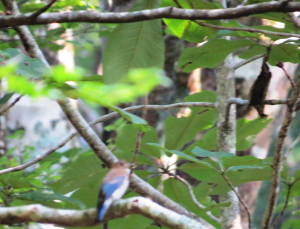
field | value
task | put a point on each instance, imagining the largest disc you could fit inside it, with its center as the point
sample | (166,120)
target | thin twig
(239,197)
(42,10)
(38,159)
(139,135)
(193,197)
(178,4)
(251,30)
(244,62)
(284,207)
(10,105)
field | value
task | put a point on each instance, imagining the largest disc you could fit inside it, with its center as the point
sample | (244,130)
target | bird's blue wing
(106,191)
(109,187)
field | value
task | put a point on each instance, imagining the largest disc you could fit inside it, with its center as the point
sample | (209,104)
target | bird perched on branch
(115,183)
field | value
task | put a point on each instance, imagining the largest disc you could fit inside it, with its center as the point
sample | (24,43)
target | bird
(115,183)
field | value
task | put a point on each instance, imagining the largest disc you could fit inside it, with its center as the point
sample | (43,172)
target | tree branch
(284,207)
(276,165)
(194,199)
(119,209)
(244,62)
(251,30)
(167,12)
(239,197)
(10,105)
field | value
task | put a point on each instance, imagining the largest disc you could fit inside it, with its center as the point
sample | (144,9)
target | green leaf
(38,196)
(204,153)
(207,142)
(5,98)
(134,45)
(284,53)
(31,68)
(85,171)
(126,139)
(139,82)
(61,75)
(253,51)
(131,222)
(180,131)
(189,30)
(137,121)
(246,131)
(210,54)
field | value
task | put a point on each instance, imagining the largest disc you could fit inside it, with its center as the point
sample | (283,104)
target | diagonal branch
(10,105)
(167,12)
(284,207)
(277,164)
(42,10)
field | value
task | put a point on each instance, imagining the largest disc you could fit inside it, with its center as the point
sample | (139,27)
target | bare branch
(118,209)
(251,30)
(194,199)
(277,165)
(244,62)
(139,136)
(240,198)
(284,207)
(42,10)
(38,159)
(10,105)
(167,12)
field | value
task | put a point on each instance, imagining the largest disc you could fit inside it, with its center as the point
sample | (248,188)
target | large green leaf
(253,51)
(178,192)
(246,132)
(210,54)
(85,171)
(284,53)
(126,140)
(134,45)
(180,131)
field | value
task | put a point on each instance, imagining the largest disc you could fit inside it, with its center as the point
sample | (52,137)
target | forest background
(168,84)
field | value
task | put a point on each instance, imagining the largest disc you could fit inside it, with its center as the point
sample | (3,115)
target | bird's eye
(121,163)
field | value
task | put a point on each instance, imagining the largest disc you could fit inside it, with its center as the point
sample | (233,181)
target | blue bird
(115,183)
